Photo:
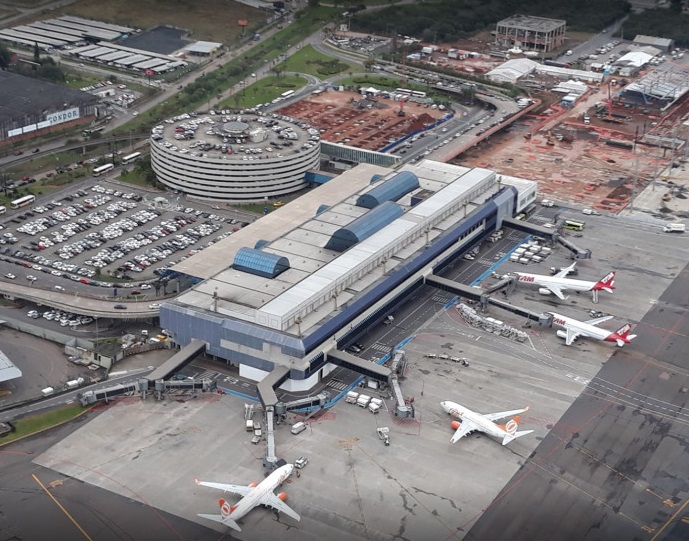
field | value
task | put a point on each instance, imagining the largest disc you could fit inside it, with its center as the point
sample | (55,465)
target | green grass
(312,62)
(32,425)
(135,178)
(263,91)
(206,89)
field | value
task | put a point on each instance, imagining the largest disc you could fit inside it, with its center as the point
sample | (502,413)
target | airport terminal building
(306,279)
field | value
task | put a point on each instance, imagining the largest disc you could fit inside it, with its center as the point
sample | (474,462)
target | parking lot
(98,232)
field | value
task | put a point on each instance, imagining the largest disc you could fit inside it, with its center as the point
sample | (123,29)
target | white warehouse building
(240,158)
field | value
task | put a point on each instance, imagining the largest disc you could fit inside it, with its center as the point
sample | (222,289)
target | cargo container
(47,391)
(351,397)
(363,400)
(249,425)
(373,407)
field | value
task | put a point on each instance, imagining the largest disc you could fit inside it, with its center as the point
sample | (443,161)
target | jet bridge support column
(270,460)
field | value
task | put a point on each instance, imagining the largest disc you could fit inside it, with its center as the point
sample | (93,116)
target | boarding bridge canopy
(179,360)
(361,366)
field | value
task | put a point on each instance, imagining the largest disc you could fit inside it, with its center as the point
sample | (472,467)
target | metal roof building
(664,44)
(7,369)
(294,318)
(512,70)
(661,87)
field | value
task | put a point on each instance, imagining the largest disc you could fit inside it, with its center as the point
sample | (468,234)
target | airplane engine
(254,484)
(544,291)
(282,496)
(562,334)
(455,424)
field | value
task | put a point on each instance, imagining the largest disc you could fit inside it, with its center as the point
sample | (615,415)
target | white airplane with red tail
(559,282)
(573,329)
(252,495)
(470,421)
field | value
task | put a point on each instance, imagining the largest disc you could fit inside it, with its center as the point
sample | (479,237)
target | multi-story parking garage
(304,280)
(240,158)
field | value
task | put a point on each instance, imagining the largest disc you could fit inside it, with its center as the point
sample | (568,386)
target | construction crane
(401,112)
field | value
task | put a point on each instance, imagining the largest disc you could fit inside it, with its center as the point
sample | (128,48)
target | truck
(363,400)
(47,391)
(73,384)
(249,425)
(351,397)
(674,228)
(388,320)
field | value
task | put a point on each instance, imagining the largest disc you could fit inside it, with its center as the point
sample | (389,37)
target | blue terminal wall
(187,323)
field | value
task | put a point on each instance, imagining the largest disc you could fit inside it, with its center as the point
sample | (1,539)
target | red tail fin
(606,283)
(225,508)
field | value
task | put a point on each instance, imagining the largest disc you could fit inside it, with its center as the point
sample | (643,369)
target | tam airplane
(573,329)
(252,495)
(559,282)
(470,421)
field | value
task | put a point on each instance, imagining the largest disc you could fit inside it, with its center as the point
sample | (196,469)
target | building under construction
(530,33)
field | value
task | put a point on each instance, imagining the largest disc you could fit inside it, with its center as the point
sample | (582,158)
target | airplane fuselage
(254,498)
(563,284)
(465,414)
(581,327)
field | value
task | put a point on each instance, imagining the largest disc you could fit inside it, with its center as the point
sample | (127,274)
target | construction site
(363,121)
(598,153)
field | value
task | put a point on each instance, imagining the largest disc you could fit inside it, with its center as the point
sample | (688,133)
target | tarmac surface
(611,467)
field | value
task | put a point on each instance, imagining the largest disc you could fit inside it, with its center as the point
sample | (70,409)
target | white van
(298,427)
(674,228)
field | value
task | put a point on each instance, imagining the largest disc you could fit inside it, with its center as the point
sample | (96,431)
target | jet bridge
(483,296)
(529,228)
(576,252)
(178,361)
(367,368)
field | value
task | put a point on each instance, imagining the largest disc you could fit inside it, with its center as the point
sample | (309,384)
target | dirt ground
(602,164)
(347,118)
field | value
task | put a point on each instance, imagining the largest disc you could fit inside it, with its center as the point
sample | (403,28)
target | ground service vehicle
(574,225)
(674,228)
(299,427)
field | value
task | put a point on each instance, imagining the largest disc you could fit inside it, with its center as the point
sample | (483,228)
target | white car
(146,286)
(154,305)
(591,212)
(10,276)
(31,278)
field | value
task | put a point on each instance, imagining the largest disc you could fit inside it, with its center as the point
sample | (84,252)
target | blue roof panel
(260,263)
(391,190)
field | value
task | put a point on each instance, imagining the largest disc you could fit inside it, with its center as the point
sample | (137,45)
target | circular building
(241,157)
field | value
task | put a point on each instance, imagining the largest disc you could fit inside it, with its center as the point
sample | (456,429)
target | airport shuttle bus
(103,169)
(130,158)
(575,225)
(23,201)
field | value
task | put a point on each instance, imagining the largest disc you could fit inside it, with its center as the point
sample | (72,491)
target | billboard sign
(63,116)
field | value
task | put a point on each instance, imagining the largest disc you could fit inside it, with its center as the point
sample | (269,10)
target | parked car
(120,307)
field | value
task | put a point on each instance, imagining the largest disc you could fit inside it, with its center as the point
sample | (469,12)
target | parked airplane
(573,328)
(559,282)
(252,495)
(470,421)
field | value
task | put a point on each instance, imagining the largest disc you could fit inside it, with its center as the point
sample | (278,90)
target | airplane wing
(598,320)
(572,335)
(464,428)
(276,503)
(502,414)
(240,490)
(564,272)
(556,291)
